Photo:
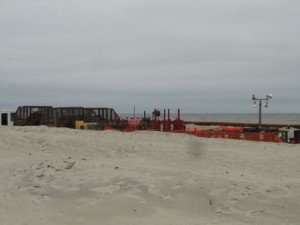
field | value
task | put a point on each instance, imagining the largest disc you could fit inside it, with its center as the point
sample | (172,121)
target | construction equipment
(166,124)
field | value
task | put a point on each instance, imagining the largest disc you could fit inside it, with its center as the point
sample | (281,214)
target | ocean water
(280,118)
(276,118)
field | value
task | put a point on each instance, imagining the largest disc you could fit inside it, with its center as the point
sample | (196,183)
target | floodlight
(260,100)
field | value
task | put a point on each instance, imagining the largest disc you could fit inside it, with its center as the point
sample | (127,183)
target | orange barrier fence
(267,137)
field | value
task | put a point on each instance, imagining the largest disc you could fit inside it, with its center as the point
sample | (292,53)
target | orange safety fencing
(267,137)
(127,129)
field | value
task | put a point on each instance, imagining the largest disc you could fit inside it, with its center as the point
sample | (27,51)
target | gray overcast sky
(197,55)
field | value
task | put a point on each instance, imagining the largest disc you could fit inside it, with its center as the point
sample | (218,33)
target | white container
(6,118)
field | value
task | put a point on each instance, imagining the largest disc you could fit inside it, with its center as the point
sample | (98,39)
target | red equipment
(166,124)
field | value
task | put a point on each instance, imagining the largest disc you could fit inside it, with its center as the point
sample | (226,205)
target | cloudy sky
(197,55)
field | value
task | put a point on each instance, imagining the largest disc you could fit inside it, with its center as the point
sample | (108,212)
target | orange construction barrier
(232,129)
(267,137)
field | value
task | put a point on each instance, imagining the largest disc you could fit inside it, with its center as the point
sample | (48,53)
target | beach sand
(64,176)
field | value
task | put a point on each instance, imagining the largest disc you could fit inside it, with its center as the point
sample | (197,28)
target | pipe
(259,115)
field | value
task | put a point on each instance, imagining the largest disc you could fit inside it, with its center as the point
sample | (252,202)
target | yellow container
(80,124)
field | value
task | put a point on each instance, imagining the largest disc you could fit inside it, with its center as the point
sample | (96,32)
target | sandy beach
(63,176)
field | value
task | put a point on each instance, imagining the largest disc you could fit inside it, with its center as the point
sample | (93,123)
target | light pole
(266,99)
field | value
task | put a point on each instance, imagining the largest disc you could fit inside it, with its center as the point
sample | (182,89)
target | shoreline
(243,124)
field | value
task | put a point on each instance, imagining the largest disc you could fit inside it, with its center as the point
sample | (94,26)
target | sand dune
(63,176)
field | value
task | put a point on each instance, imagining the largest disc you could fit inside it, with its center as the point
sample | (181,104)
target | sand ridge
(65,176)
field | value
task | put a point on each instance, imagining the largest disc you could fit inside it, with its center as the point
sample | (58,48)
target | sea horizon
(274,118)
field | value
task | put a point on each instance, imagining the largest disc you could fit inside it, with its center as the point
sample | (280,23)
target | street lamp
(266,104)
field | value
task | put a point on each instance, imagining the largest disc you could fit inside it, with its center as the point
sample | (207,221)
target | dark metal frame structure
(33,115)
(64,116)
